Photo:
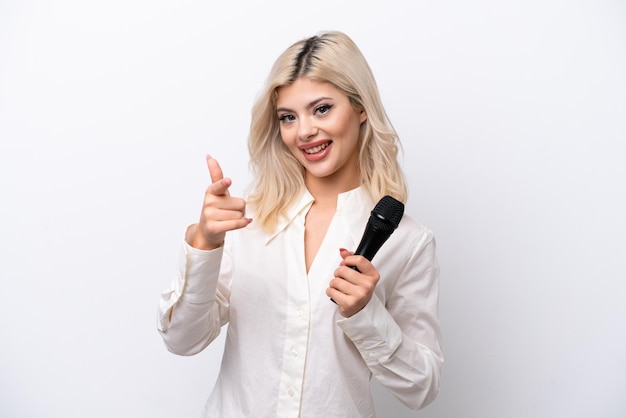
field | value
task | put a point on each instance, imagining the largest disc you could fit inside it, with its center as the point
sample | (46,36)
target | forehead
(306,90)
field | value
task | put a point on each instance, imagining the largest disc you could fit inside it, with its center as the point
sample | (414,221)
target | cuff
(373,331)
(199,271)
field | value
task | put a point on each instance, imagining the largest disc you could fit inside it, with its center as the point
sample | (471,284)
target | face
(321,128)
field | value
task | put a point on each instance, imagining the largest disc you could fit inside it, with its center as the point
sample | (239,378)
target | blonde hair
(278,177)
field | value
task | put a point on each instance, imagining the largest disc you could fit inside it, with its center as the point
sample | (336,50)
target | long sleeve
(400,340)
(192,311)
(284,332)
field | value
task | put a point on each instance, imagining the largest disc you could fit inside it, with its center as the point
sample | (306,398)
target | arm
(195,307)
(400,340)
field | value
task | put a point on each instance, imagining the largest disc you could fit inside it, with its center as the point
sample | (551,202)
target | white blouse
(288,352)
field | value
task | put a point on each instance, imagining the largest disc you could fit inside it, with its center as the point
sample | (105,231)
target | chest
(280,270)
(316,224)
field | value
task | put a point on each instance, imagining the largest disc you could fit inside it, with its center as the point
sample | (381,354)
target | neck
(325,191)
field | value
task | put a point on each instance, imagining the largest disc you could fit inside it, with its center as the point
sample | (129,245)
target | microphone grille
(389,210)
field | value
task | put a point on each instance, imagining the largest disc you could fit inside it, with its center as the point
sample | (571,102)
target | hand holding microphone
(351,288)
(356,278)
(220,211)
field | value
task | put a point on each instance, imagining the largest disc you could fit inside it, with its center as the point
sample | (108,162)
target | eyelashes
(321,110)
(286,118)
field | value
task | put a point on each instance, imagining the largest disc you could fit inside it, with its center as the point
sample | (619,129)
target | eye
(286,118)
(323,109)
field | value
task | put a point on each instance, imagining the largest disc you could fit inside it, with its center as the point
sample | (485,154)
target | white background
(513,120)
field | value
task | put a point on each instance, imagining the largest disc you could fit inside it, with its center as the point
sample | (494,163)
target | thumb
(344,253)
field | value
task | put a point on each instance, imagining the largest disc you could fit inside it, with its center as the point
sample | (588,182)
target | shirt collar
(301,207)
(353,206)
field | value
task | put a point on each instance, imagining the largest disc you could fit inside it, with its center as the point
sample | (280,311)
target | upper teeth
(316,149)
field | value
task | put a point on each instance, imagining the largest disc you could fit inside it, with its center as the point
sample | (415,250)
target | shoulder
(411,228)
(413,236)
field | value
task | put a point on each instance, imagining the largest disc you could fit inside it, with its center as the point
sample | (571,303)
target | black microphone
(384,219)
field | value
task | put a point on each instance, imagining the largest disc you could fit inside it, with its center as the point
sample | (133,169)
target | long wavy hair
(278,178)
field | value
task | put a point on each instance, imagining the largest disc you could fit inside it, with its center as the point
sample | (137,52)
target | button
(300,313)
(291,393)
(294,352)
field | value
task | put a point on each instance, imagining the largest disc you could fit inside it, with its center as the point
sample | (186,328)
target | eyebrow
(309,106)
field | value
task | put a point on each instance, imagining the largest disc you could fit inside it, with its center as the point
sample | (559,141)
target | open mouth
(317,149)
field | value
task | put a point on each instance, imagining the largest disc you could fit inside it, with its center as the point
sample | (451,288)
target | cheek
(349,123)
(288,142)
(352,128)
(285,136)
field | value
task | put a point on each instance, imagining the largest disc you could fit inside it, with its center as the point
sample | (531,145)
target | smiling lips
(316,152)
(317,148)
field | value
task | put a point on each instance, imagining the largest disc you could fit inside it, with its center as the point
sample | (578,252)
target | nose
(307,129)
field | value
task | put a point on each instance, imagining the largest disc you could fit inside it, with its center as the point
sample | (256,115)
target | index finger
(214,169)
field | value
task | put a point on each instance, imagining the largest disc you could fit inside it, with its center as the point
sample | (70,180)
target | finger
(223,214)
(343,253)
(232,224)
(345,300)
(335,295)
(347,304)
(217,177)
(355,262)
(233,203)
(341,285)
(214,201)
(214,169)
(348,274)
(220,188)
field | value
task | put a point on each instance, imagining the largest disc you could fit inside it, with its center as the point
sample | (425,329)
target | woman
(322,152)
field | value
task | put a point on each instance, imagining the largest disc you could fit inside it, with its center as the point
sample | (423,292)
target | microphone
(384,219)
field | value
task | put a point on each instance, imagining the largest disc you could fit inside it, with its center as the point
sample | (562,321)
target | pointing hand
(220,212)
